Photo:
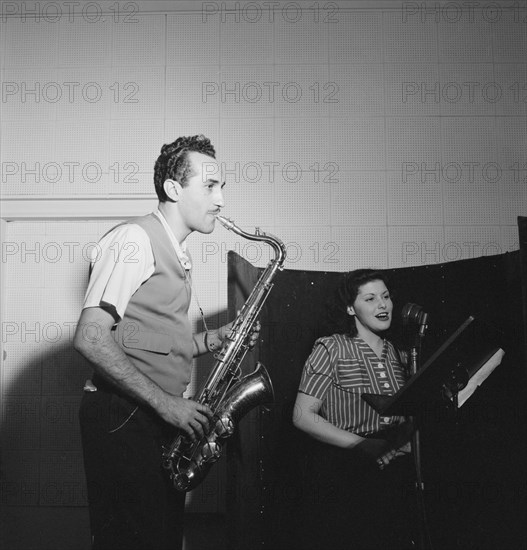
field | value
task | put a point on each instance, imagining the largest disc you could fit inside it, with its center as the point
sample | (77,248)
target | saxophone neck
(271,240)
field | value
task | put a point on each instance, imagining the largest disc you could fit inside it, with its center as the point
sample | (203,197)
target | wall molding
(35,207)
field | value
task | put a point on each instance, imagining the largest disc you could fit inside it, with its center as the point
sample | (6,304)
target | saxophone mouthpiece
(228,224)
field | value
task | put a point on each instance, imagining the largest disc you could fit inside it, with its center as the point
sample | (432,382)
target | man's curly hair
(173,162)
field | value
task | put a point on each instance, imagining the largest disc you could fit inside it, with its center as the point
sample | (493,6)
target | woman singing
(360,470)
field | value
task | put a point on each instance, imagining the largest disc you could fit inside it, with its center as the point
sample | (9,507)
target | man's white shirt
(122,261)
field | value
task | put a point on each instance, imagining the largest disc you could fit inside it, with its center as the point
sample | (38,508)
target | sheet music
(479,377)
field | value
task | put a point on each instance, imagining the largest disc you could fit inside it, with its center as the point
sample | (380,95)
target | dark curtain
(473,460)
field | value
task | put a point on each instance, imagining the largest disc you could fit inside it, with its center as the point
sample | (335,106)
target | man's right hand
(187,415)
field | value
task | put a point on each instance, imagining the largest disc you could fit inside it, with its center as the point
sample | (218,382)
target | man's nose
(219,201)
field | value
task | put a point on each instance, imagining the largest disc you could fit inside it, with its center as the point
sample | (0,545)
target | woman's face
(372,308)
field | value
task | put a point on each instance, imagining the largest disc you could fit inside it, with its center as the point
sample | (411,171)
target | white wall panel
(471,202)
(244,91)
(511,137)
(357,198)
(87,93)
(304,196)
(355,36)
(357,143)
(297,143)
(139,41)
(509,238)
(513,196)
(309,247)
(30,94)
(299,89)
(413,144)
(409,246)
(468,141)
(462,243)
(508,34)
(24,173)
(86,44)
(353,90)
(36,43)
(137,92)
(193,90)
(408,39)
(511,80)
(300,37)
(467,89)
(464,37)
(412,89)
(244,164)
(246,43)
(134,148)
(192,40)
(361,246)
(413,200)
(82,159)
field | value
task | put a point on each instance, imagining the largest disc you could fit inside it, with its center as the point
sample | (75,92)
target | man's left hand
(254,335)
(215,338)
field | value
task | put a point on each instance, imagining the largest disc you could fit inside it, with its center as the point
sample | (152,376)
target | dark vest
(155,332)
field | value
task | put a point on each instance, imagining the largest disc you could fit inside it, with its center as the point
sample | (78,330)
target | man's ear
(350,310)
(172,189)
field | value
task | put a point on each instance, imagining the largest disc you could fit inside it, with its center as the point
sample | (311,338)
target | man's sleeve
(121,262)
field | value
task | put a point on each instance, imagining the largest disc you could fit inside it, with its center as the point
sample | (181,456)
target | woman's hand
(374,448)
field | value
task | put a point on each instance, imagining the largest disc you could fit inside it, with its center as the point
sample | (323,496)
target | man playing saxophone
(134,330)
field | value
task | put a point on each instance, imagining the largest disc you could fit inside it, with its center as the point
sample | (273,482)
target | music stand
(444,374)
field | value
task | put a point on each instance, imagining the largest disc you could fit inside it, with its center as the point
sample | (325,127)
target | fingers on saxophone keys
(255,334)
(189,431)
(205,410)
(202,420)
(197,430)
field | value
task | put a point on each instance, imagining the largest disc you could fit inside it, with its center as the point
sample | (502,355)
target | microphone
(414,314)
(423,324)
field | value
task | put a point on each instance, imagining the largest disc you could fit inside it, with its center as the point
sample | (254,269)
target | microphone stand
(415,353)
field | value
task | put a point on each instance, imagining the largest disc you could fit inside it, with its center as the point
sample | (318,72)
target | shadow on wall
(43,502)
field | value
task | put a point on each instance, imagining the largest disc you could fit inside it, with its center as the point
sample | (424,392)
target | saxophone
(228,396)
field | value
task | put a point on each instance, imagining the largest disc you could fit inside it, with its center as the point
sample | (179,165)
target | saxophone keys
(224,426)
(211,451)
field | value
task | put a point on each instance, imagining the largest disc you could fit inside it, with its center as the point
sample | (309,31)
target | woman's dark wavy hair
(346,294)
(173,162)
